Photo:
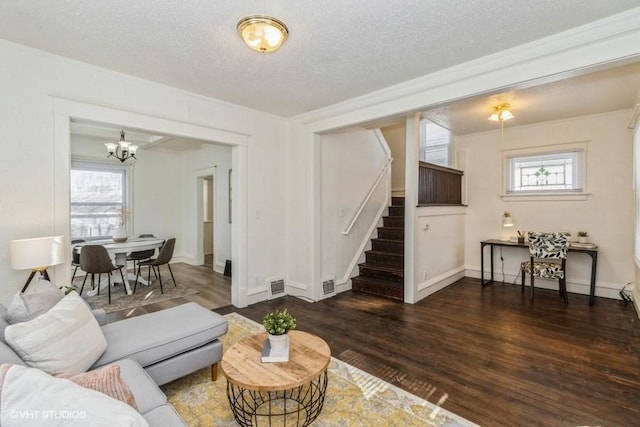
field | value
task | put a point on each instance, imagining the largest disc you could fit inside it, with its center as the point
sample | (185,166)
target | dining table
(119,252)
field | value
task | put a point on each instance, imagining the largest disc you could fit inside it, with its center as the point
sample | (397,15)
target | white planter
(279,343)
(584,239)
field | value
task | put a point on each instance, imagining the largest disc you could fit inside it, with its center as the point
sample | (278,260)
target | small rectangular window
(544,173)
(435,143)
(552,171)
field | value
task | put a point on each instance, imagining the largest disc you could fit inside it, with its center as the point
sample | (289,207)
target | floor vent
(276,287)
(328,287)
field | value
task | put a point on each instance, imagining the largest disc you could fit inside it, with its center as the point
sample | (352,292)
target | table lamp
(507,224)
(37,254)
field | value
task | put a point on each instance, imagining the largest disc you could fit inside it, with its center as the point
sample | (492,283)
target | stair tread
(386,239)
(378,281)
(389,268)
(394,254)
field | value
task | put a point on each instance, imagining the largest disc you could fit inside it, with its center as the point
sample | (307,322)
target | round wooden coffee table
(280,393)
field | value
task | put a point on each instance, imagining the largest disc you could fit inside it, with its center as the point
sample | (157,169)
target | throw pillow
(106,380)
(32,398)
(65,340)
(37,299)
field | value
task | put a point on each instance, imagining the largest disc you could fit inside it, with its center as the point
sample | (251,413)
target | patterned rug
(354,397)
(144,295)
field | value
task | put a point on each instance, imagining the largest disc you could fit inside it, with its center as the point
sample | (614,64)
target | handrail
(369,194)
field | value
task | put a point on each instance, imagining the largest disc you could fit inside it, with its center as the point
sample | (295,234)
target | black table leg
(592,291)
(482,281)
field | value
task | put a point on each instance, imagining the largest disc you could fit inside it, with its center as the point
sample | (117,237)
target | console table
(592,252)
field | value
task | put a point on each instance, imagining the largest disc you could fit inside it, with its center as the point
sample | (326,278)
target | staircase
(383,271)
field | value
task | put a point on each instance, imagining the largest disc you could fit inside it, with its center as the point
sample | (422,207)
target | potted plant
(583,237)
(277,324)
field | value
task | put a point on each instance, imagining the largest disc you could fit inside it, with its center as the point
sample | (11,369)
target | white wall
(607,214)
(396,138)
(351,163)
(30,80)
(439,253)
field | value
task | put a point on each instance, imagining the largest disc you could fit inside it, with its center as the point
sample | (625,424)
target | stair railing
(384,171)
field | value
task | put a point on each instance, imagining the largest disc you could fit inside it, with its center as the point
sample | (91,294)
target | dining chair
(75,257)
(164,257)
(138,256)
(548,260)
(94,259)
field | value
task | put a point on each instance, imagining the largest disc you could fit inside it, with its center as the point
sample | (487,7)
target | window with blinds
(99,198)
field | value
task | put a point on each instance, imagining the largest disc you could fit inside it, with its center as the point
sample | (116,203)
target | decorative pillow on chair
(37,299)
(106,380)
(65,340)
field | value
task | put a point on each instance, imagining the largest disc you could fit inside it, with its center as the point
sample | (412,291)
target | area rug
(353,398)
(144,295)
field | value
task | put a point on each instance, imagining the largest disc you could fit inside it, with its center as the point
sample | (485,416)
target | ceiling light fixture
(262,33)
(501,113)
(122,150)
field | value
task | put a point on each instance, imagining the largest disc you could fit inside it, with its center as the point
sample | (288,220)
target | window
(99,195)
(545,172)
(435,143)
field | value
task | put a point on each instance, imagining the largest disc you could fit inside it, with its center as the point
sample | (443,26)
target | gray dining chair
(94,259)
(164,257)
(138,256)
(75,257)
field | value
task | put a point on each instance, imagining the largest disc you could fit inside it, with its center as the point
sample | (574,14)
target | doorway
(66,111)
(208,212)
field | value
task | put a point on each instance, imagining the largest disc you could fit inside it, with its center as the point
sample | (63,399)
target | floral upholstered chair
(548,253)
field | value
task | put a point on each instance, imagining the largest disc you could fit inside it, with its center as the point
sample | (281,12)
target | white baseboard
(437,283)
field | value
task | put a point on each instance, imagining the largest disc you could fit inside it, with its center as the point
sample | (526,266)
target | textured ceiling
(336,49)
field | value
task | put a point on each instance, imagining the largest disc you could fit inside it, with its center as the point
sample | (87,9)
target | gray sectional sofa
(151,350)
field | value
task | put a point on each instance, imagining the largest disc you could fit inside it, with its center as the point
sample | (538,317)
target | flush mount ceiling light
(501,113)
(262,33)
(122,150)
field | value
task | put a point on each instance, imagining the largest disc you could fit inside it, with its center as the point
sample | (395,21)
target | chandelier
(262,33)
(122,150)
(501,113)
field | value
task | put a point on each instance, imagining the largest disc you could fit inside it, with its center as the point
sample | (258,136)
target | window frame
(423,143)
(578,150)
(104,165)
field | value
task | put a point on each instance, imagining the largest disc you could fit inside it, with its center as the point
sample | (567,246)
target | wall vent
(276,287)
(328,287)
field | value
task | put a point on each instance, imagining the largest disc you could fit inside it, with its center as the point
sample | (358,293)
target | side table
(285,393)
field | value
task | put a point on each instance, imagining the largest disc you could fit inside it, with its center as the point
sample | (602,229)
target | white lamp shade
(29,254)
(507,221)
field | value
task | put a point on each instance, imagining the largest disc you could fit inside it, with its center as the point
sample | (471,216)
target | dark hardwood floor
(485,354)
(488,354)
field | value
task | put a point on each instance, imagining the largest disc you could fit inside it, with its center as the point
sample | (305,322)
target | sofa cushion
(147,394)
(180,329)
(66,339)
(165,416)
(106,380)
(37,299)
(7,355)
(37,395)
(3,321)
